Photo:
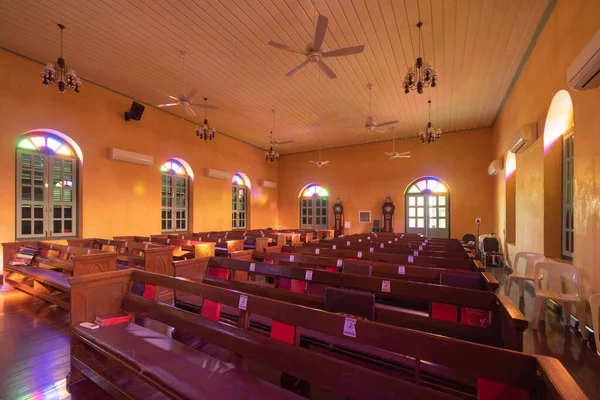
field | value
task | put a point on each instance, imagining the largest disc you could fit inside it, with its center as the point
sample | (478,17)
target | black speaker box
(135,112)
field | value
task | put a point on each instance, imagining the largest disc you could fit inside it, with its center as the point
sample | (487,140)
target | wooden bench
(466,279)
(383,248)
(370,361)
(46,278)
(465,313)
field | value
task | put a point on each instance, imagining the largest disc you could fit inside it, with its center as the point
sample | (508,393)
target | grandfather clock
(388,208)
(338,213)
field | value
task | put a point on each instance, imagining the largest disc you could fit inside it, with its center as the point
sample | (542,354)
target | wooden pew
(402,259)
(184,249)
(412,365)
(46,278)
(466,279)
(480,315)
(382,248)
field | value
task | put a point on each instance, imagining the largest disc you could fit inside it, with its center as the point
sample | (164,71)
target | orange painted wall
(569,28)
(121,198)
(362,176)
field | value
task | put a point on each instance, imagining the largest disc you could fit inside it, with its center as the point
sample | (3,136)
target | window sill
(560,260)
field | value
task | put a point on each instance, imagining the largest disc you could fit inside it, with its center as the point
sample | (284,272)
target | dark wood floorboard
(34,348)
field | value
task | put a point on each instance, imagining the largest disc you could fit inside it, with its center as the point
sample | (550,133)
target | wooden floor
(34,348)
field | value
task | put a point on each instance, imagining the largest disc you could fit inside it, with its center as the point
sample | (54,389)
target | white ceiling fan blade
(276,142)
(313,162)
(295,69)
(346,51)
(388,123)
(168,95)
(284,47)
(324,162)
(406,153)
(207,106)
(320,31)
(166,105)
(191,94)
(326,70)
(188,109)
(377,130)
(388,153)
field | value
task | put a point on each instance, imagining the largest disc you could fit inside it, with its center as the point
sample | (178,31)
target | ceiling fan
(319,163)
(313,51)
(185,100)
(272,141)
(394,154)
(371,124)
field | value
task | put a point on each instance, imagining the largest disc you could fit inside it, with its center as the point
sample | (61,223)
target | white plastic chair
(550,285)
(524,274)
(595,306)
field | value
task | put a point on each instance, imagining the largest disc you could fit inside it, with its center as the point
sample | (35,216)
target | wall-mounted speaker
(135,112)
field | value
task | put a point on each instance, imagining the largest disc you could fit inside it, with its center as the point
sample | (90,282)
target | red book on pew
(112,319)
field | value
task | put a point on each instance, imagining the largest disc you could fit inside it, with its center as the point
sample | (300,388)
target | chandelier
(205,132)
(422,74)
(271,155)
(58,73)
(430,134)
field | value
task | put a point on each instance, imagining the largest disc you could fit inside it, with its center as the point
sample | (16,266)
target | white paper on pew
(340,263)
(292,258)
(416,253)
(385,286)
(359,254)
(252,267)
(347,243)
(334,247)
(395,239)
(359,240)
(401,270)
(381,245)
(420,248)
(371,249)
(389,242)
(410,259)
(368,237)
(350,327)
(243,302)
(308,275)
(317,251)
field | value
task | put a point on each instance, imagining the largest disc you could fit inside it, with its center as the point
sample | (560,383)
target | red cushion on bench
(333,269)
(149,291)
(491,390)
(298,286)
(317,289)
(285,333)
(211,309)
(447,312)
(285,283)
(218,272)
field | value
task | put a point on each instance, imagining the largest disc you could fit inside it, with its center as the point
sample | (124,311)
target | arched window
(510,172)
(427,203)
(46,187)
(240,185)
(175,197)
(313,207)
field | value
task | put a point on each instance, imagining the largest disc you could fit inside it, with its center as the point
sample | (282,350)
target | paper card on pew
(359,254)
(371,250)
(401,270)
(395,239)
(340,263)
(385,286)
(381,245)
(334,247)
(347,243)
(317,250)
(389,242)
(350,327)
(308,275)
(410,259)
(368,237)
(416,253)
(420,248)
(243,302)
(359,240)
(292,258)
(252,267)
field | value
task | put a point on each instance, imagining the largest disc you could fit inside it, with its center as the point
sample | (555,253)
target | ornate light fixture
(58,73)
(271,155)
(422,74)
(205,132)
(430,134)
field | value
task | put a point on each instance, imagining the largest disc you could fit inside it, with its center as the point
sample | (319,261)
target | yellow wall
(362,176)
(121,198)
(569,28)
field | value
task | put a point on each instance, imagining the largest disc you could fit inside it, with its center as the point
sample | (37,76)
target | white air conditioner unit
(525,137)
(495,167)
(215,173)
(130,157)
(267,184)
(584,71)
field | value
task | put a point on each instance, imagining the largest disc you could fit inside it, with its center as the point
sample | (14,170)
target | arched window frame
(47,195)
(314,207)
(175,197)
(240,187)
(427,207)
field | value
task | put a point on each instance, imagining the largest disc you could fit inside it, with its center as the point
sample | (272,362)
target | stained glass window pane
(26,144)
(38,141)
(414,189)
(64,150)
(431,184)
(53,144)
(422,185)
(441,188)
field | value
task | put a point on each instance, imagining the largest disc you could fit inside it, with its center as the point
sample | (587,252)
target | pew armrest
(490,282)
(559,383)
(513,324)
(479,266)
(97,294)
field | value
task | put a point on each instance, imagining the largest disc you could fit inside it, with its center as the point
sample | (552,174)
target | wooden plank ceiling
(133,47)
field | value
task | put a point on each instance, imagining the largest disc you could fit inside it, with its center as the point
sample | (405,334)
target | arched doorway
(427,208)
(313,207)
(240,185)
